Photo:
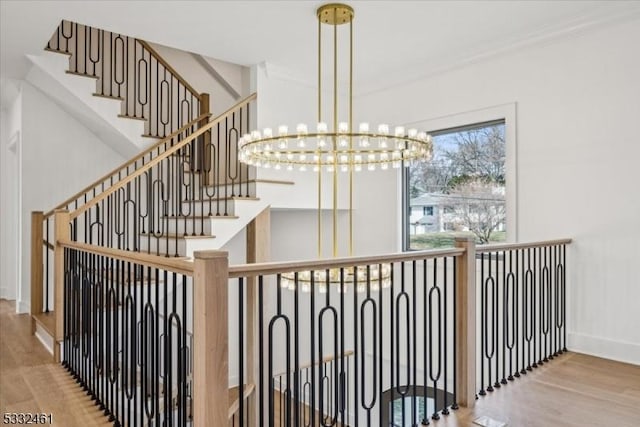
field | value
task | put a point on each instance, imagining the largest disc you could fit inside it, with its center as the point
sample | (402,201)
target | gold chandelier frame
(339,149)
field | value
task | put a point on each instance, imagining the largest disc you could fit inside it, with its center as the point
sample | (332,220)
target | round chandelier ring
(334,148)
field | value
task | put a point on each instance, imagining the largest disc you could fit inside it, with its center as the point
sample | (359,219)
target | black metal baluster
(483,326)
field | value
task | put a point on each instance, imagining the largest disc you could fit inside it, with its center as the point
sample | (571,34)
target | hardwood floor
(573,390)
(31,383)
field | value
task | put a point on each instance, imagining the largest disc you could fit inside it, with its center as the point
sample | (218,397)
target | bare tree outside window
(464,184)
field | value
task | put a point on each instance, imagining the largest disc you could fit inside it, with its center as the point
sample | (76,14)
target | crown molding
(544,35)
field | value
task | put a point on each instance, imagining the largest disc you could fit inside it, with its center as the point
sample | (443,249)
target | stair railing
(521,289)
(42,226)
(149,203)
(400,344)
(132,71)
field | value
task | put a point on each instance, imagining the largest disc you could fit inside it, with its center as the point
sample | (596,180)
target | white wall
(195,74)
(59,157)
(578,105)
(9,177)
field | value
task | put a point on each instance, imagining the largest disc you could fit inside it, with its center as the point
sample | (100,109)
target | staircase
(183,189)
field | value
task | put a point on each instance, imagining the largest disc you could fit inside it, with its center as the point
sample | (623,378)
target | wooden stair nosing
(198,217)
(179,236)
(47,49)
(222,199)
(254,181)
(47,321)
(77,73)
(124,116)
(117,98)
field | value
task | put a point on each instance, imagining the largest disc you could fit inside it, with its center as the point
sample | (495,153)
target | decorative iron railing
(130,70)
(128,336)
(387,325)
(153,200)
(385,340)
(521,298)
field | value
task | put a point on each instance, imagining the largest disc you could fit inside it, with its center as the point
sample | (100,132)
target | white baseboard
(44,338)
(23,307)
(621,351)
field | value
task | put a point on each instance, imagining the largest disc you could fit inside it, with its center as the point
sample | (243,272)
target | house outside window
(461,189)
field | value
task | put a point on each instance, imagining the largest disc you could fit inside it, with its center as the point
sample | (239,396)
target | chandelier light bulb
(283,130)
(383,129)
(399,131)
(412,133)
(301,129)
(267,132)
(343,127)
(322,127)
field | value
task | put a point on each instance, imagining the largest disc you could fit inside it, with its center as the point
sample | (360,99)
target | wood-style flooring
(573,390)
(30,382)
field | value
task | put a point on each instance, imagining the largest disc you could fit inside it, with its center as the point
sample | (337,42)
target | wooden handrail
(179,266)
(169,68)
(129,162)
(326,359)
(160,157)
(515,246)
(248,270)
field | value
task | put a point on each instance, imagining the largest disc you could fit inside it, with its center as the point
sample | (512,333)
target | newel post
(62,230)
(466,323)
(37,276)
(211,339)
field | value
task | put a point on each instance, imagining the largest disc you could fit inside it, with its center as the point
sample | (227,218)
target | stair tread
(182,218)
(58,51)
(124,116)
(47,321)
(178,236)
(215,199)
(117,98)
(76,73)
(253,181)
(234,393)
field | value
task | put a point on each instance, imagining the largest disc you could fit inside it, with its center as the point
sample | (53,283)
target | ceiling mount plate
(335,14)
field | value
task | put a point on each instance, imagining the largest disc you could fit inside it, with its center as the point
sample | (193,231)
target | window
(427,210)
(467,178)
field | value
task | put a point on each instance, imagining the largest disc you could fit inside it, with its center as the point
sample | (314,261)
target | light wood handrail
(160,157)
(515,246)
(169,68)
(248,270)
(179,266)
(326,359)
(129,162)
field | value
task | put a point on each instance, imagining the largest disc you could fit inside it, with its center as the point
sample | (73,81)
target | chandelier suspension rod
(335,130)
(318,149)
(351,136)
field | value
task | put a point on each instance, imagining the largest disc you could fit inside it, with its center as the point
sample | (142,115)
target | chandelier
(332,149)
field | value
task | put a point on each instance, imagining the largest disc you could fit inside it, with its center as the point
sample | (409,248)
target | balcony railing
(383,340)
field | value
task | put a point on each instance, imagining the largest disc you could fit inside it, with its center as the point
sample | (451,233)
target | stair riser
(209,208)
(190,227)
(172,246)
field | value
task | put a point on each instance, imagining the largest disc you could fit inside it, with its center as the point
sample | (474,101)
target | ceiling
(394,40)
